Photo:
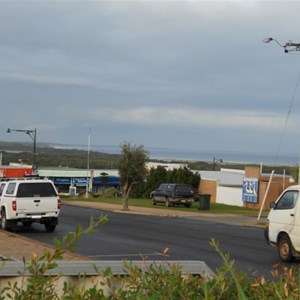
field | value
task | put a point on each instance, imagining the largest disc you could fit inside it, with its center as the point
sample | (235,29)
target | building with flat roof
(245,188)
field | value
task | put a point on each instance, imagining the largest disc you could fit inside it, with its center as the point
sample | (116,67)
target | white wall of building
(229,195)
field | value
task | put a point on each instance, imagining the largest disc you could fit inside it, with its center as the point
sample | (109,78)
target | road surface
(134,237)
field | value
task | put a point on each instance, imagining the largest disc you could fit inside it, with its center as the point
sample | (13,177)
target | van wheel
(5,224)
(50,227)
(285,249)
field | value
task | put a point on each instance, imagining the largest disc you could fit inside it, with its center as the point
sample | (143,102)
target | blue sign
(250,190)
(62,180)
(106,180)
(78,181)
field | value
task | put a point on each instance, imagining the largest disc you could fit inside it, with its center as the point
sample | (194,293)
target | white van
(283,227)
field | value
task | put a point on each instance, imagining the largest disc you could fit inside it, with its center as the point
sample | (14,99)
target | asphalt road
(135,237)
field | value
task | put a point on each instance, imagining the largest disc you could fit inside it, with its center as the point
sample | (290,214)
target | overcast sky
(171,74)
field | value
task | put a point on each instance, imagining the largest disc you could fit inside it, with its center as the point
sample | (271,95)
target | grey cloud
(182,60)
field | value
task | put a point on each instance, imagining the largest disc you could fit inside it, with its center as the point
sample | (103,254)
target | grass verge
(215,208)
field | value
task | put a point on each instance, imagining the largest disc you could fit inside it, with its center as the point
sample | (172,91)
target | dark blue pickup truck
(173,193)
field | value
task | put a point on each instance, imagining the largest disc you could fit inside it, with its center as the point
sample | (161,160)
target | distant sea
(225,156)
(170,154)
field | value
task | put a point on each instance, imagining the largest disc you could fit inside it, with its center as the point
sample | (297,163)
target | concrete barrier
(88,273)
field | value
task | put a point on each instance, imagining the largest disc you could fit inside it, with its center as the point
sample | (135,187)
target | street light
(288,47)
(32,134)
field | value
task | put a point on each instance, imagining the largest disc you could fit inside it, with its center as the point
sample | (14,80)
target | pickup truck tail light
(14,205)
(58,203)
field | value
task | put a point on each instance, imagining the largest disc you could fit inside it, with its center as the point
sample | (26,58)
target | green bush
(110,192)
(159,175)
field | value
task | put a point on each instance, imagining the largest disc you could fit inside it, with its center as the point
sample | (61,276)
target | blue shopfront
(63,184)
(101,182)
(69,180)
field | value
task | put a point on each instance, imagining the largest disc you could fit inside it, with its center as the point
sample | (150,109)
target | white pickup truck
(28,201)
(283,227)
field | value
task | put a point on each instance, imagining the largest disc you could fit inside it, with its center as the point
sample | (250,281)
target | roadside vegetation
(147,282)
(159,175)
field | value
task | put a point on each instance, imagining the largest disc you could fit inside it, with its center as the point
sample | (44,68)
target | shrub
(109,192)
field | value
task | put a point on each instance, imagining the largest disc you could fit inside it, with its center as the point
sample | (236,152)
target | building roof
(72,172)
(62,172)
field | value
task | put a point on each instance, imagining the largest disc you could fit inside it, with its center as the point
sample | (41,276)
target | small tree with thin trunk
(132,168)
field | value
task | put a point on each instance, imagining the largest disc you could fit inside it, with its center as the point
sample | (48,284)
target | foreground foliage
(151,281)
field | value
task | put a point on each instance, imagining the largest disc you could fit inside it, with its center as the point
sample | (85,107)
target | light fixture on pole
(288,47)
(32,134)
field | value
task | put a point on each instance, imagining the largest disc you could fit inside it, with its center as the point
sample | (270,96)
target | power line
(287,118)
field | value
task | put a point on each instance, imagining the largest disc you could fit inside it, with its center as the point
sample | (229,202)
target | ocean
(170,154)
(225,156)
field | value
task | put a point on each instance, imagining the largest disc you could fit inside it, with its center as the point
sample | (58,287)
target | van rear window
(44,189)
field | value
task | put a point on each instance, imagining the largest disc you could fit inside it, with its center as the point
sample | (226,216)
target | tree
(184,175)
(155,177)
(159,175)
(295,173)
(132,168)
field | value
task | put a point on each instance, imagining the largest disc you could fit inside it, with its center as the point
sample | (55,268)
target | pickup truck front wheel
(285,250)
(5,224)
